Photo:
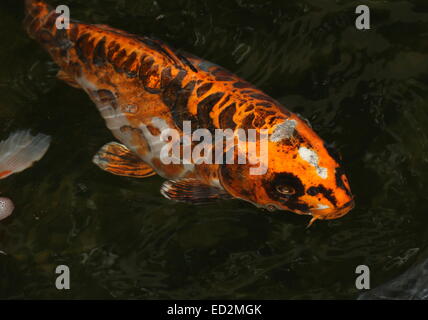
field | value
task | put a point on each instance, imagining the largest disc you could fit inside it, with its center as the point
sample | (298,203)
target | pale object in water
(20,151)
(6,208)
(17,153)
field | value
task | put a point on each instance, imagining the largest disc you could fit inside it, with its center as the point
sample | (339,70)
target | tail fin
(20,151)
(38,15)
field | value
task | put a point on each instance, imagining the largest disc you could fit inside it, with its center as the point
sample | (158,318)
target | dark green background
(365,91)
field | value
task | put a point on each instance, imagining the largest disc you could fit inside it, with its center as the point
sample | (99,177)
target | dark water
(366,91)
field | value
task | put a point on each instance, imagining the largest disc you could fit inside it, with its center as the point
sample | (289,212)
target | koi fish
(17,153)
(142,86)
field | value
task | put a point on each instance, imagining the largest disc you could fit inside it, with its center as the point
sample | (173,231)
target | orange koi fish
(17,153)
(142,86)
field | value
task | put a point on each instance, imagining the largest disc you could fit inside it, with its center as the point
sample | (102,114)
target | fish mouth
(329,214)
(316,213)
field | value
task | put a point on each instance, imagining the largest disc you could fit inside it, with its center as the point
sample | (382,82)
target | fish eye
(286,190)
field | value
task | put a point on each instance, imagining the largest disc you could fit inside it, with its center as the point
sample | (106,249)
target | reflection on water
(364,91)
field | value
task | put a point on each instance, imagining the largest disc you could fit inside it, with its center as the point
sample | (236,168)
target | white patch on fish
(156,143)
(85,84)
(321,207)
(284,130)
(114,117)
(312,158)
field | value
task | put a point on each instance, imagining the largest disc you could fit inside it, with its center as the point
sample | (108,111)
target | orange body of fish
(142,86)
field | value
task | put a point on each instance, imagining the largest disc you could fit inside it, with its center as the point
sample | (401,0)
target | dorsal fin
(114,30)
(178,59)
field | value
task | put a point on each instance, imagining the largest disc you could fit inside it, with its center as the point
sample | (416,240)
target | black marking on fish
(145,67)
(264,104)
(127,65)
(100,57)
(204,89)
(205,107)
(249,108)
(224,101)
(89,48)
(176,98)
(260,96)
(187,62)
(226,117)
(247,122)
(112,49)
(339,181)
(327,193)
(221,74)
(331,150)
(152,90)
(224,78)
(118,59)
(166,77)
(80,47)
(242,85)
(171,90)
(180,112)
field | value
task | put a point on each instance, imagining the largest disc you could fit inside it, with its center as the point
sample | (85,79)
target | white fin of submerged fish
(6,208)
(20,151)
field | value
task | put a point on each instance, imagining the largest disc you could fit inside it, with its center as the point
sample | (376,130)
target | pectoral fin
(61,75)
(119,160)
(192,191)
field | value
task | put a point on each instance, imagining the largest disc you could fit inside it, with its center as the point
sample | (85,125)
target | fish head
(303,175)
